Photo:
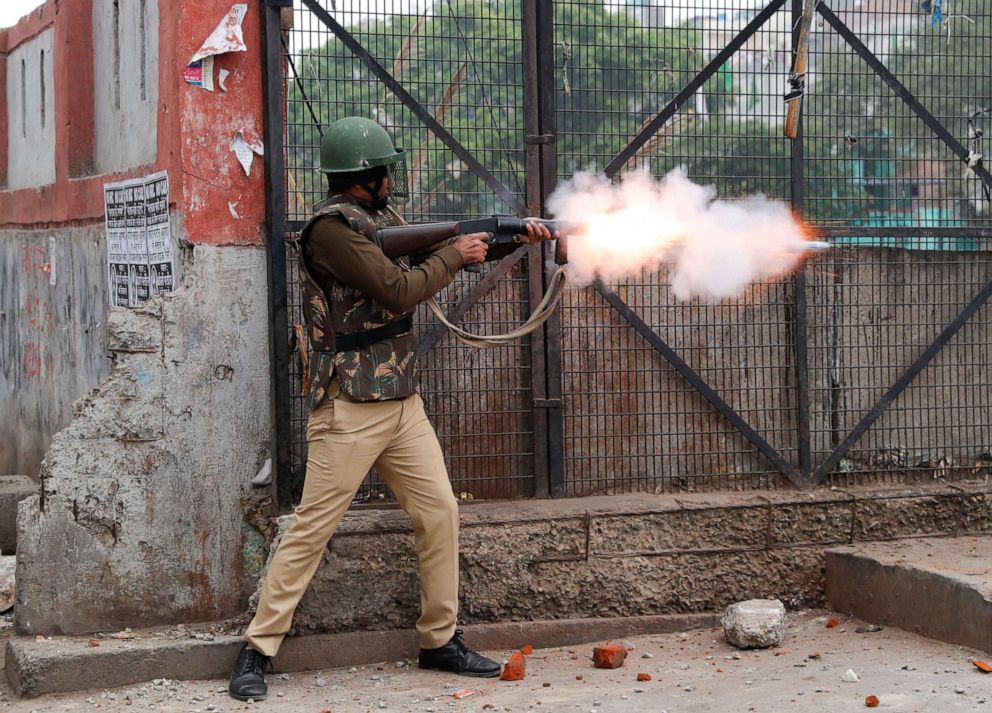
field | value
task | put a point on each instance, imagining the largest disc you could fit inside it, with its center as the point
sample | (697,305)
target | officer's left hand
(536,232)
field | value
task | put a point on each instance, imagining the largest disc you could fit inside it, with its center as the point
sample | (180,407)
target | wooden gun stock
(400,240)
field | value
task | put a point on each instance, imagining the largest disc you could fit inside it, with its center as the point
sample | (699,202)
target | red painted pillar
(73,66)
(220,204)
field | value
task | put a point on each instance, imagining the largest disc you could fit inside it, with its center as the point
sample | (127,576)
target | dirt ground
(694,671)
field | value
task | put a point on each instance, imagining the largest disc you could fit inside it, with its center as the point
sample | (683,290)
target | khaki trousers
(346,439)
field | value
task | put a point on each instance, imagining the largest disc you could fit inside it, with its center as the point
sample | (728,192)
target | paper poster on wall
(139,239)
(159,229)
(201,73)
(119,282)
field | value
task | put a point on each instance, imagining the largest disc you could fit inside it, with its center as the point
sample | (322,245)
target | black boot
(456,657)
(248,676)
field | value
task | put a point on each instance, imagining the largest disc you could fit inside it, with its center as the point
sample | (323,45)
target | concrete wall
(52,334)
(31,113)
(125,54)
(141,518)
(146,513)
(623,555)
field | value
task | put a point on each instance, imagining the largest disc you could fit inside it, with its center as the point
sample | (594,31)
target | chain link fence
(809,369)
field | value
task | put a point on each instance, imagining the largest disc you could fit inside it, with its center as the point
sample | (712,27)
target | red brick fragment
(831,623)
(609,656)
(527,650)
(514,668)
(578,677)
(871,701)
(644,677)
(93,642)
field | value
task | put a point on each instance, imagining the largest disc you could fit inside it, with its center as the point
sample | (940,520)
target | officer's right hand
(473,247)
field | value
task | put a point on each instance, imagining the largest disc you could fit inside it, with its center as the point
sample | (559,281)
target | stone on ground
(755,623)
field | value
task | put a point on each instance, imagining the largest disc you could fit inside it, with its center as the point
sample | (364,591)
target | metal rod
(275,244)
(696,381)
(689,89)
(547,127)
(416,107)
(800,44)
(905,380)
(535,260)
(911,101)
(867,231)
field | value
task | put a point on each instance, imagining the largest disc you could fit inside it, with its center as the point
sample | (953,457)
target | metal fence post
(801,325)
(541,171)
(275,244)
(548,130)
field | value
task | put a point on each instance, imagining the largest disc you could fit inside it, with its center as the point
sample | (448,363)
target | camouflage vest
(383,370)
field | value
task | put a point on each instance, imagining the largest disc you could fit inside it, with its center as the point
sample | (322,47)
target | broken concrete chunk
(755,623)
(7,567)
(609,656)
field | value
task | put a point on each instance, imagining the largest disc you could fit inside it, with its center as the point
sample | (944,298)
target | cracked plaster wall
(142,517)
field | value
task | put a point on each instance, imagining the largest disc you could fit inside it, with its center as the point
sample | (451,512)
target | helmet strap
(373,188)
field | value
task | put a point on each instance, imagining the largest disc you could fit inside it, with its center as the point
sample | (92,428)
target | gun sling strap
(485,341)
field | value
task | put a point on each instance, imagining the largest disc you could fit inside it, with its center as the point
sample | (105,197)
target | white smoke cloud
(714,248)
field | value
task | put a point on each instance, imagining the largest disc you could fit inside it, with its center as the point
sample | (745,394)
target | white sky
(13,10)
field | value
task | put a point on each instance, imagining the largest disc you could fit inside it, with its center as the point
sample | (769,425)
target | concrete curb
(918,586)
(61,664)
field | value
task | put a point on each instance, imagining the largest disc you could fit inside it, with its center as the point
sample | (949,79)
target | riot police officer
(365,410)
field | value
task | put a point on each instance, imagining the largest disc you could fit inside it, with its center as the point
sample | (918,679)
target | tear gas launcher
(503,230)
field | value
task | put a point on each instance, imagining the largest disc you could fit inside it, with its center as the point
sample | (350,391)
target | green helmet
(355,144)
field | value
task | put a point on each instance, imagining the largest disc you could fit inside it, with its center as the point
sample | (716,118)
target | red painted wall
(195,127)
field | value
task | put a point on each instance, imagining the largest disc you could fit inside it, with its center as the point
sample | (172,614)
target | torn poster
(245,151)
(222,76)
(139,239)
(226,37)
(200,73)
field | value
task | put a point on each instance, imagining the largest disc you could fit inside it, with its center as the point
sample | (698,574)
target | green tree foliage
(463,62)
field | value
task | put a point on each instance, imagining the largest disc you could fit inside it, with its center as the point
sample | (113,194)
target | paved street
(690,672)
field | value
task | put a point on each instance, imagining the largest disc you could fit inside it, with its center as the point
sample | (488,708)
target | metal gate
(818,376)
